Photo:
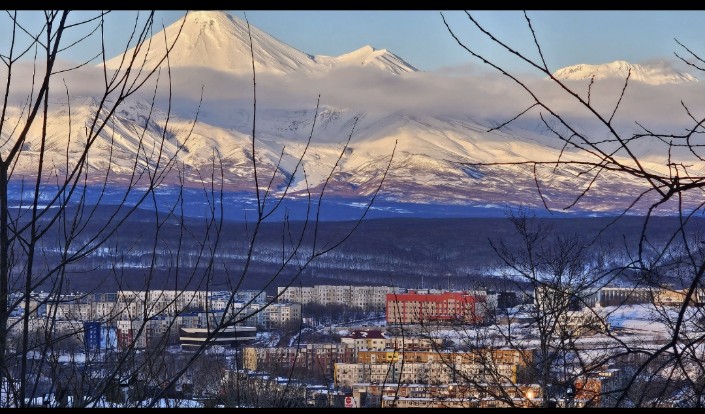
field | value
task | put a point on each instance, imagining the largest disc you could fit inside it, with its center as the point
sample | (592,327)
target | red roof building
(413,307)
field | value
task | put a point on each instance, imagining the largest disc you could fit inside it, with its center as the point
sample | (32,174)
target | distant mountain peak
(654,74)
(371,56)
(208,15)
(220,41)
(216,40)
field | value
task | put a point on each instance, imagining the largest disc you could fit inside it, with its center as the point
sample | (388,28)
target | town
(336,345)
(354,209)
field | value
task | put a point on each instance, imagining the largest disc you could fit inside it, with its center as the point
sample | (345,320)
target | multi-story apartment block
(220,299)
(137,304)
(250,296)
(296,294)
(433,372)
(254,315)
(617,296)
(142,334)
(171,302)
(279,314)
(365,297)
(444,396)
(132,304)
(432,366)
(107,311)
(70,310)
(413,343)
(349,373)
(415,307)
(316,359)
(325,294)
(188,320)
(233,307)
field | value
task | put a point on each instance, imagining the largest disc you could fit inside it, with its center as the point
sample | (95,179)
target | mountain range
(220,41)
(653,74)
(436,157)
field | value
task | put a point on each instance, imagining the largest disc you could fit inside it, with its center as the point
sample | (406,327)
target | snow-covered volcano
(656,74)
(433,160)
(369,56)
(438,147)
(220,41)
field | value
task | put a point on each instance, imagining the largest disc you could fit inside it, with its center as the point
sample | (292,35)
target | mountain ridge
(455,157)
(221,41)
(618,69)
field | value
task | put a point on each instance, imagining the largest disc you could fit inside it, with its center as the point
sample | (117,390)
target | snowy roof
(366,334)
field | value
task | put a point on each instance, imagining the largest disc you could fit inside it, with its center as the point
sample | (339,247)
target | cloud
(452,91)
(489,98)
(359,89)
(480,95)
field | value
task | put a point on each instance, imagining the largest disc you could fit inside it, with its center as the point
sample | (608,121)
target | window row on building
(365,297)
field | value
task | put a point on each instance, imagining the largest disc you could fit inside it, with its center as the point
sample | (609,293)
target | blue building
(98,337)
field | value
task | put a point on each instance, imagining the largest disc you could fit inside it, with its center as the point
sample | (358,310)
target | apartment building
(315,359)
(432,366)
(142,334)
(416,307)
(433,372)
(280,314)
(365,297)
(452,395)
(70,310)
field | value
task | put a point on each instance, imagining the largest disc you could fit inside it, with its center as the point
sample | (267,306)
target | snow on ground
(171,403)
(637,317)
(638,325)
(267,339)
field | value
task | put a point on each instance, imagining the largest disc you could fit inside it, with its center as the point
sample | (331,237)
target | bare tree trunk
(5,375)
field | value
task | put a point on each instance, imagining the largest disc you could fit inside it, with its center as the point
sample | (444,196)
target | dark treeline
(409,252)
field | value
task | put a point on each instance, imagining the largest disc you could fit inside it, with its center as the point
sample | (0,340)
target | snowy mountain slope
(369,56)
(649,74)
(430,162)
(434,155)
(220,41)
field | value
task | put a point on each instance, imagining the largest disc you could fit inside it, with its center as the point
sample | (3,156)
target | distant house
(365,339)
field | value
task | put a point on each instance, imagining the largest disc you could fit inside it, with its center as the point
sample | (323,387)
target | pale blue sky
(568,37)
